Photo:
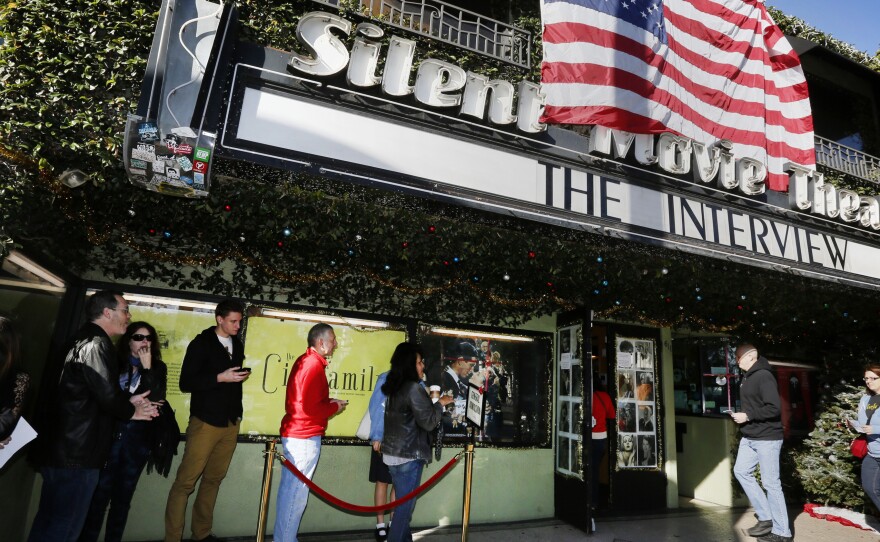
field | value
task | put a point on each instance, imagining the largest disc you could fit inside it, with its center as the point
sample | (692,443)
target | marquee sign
(385,153)
(364,111)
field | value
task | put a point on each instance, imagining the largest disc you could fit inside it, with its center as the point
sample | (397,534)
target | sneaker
(773,537)
(381,534)
(761,528)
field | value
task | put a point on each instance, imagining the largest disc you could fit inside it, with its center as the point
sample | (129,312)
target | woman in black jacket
(410,416)
(140,369)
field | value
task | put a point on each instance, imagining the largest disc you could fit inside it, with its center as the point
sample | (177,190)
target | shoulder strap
(871,412)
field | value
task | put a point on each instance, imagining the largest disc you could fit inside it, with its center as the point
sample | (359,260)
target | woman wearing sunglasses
(140,369)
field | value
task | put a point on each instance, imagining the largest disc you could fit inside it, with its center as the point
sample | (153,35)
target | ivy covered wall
(71,71)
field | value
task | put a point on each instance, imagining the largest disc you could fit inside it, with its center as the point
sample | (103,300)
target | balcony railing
(450,24)
(847,160)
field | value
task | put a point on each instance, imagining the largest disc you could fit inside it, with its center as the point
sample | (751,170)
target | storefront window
(705,376)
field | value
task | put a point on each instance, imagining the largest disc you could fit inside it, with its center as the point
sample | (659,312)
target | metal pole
(468,478)
(267,486)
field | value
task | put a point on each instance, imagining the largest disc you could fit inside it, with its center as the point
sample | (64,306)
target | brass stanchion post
(267,486)
(468,478)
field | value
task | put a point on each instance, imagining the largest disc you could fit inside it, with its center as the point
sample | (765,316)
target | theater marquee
(340,112)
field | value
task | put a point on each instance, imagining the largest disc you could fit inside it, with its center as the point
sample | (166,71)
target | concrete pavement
(694,522)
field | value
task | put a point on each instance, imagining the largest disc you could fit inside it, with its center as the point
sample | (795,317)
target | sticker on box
(184,163)
(200,167)
(202,154)
(144,151)
(148,131)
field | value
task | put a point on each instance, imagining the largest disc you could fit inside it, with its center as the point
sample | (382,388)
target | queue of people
(108,397)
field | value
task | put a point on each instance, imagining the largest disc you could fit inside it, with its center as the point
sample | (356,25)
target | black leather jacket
(410,416)
(89,400)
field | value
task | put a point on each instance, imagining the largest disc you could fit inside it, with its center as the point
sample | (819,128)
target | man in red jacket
(308,407)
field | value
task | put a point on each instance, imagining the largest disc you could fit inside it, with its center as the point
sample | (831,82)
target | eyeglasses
(871,378)
(125,310)
(140,337)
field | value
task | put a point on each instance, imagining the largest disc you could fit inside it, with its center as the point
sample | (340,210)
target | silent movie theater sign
(358,102)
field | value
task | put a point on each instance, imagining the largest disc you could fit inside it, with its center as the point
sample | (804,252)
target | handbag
(859,447)
(363,430)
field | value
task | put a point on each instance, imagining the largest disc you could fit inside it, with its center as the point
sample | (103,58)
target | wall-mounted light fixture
(24,268)
(327,319)
(478,335)
(73,178)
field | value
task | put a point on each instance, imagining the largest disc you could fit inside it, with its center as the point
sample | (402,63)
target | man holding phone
(212,372)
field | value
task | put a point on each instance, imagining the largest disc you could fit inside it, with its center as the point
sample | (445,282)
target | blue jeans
(64,502)
(293,495)
(871,478)
(769,505)
(117,482)
(405,478)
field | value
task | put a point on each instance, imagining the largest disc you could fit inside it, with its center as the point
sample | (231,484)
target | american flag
(704,69)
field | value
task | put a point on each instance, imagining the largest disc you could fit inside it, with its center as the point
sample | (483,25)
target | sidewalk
(696,522)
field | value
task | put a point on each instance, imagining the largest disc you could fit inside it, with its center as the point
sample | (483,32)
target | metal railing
(847,160)
(447,23)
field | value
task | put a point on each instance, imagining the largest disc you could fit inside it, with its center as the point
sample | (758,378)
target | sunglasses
(139,337)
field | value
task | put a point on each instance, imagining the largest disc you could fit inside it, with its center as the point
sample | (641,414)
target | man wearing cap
(760,423)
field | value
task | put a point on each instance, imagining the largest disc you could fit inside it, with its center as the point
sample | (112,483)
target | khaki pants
(207,456)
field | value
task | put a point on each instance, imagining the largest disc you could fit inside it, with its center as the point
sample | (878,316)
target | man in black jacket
(761,427)
(88,401)
(212,373)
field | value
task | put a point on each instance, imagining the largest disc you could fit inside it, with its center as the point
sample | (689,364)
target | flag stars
(644,15)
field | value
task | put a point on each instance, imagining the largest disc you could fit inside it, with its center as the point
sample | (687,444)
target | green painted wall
(508,485)
(707,454)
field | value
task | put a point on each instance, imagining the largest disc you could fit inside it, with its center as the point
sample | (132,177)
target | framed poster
(271,346)
(636,404)
(511,368)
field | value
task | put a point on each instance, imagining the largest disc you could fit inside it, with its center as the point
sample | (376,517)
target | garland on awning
(270,235)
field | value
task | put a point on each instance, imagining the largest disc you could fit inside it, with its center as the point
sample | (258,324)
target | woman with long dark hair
(410,416)
(13,382)
(140,369)
(869,422)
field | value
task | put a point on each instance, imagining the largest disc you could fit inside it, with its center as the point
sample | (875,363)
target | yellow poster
(272,346)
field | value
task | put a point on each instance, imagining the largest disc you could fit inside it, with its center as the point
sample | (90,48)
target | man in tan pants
(212,372)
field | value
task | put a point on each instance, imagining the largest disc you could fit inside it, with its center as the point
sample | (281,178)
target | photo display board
(636,404)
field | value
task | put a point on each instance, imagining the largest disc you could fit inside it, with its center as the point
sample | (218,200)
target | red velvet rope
(356,507)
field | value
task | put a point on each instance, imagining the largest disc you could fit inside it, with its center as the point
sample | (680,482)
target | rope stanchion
(358,508)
